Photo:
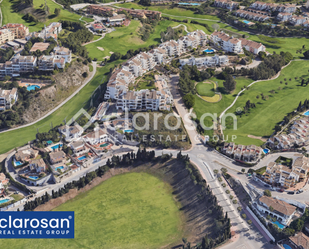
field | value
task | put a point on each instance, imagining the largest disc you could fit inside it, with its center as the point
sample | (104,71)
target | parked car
(291,193)
(299,191)
(265,185)
(281,190)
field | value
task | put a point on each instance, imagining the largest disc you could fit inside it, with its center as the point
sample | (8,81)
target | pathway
(1,15)
(181,25)
(94,64)
(230,106)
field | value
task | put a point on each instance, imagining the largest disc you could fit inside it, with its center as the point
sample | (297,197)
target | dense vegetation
(6,54)
(38,53)
(189,75)
(170,34)
(79,35)
(148,27)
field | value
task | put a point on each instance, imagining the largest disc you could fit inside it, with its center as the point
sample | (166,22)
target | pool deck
(25,84)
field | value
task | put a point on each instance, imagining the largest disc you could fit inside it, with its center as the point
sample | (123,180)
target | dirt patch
(260,138)
(197,220)
(106,57)
(111,52)
(100,48)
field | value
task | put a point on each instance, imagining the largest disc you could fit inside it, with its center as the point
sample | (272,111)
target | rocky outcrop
(47,99)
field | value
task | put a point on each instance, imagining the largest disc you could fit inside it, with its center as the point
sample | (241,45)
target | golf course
(139,213)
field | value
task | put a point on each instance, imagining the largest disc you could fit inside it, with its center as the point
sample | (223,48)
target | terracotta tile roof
(300,240)
(278,205)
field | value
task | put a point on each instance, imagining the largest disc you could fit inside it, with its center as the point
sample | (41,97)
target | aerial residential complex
(26,64)
(226,4)
(287,176)
(242,152)
(235,45)
(117,86)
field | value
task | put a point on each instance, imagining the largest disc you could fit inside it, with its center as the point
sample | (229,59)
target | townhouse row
(117,86)
(251,14)
(282,175)
(109,12)
(27,64)
(242,152)
(298,136)
(226,4)
(293,19)
(12,31)
(235,45)
(208,61)
(288,8)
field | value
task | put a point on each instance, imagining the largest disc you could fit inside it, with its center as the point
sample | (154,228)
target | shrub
(244,216)
(227,191)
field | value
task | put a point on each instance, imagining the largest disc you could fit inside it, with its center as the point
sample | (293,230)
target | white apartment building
(200,36)
(147,60)
(298,20)
(286,176)
(62,52)
(118,83)
(52,30)
(20,30)
(172,47)
(288,8)
(159,55)
(208,61)
(6,35)
(230,44)
(19,64)
(284,16)
(144,100)
(8,98)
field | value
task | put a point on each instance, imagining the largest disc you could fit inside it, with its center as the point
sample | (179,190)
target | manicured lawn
(81,100)
(201,107)
(205,89)
(133,210)
(262,120)
(146,82)
(12,17)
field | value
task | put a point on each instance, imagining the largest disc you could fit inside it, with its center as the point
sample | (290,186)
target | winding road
(94,64)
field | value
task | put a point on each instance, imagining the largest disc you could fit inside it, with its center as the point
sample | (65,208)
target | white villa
(71,132)
(283,211)
(8,98)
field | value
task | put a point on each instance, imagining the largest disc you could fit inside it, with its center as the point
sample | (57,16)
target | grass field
(205,89)
(261,120)
(281,44)
(81,100)
(139,213)
(125,38)
(12,17)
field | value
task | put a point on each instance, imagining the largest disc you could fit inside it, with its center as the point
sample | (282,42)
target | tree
(306,54)
(189,100)
(297,225)
(85,74)
(215,26)
(57,11)
(267,192)
(271,209)
(145,2)
(243,170)
(224,170)
(249,222)
(229,83)
(244,216)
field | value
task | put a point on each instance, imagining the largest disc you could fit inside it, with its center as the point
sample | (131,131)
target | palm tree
(284,79)
(290,79)
(280,82)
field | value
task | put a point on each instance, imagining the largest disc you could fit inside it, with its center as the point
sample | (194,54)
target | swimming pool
(246,22)
(82,158)
(266,151)
(209,50)
(278,224)
(104,145)
(33,87)
(129,131)
(56,146)
(306,113)
(4,201)
(33,177)
(60,167)
(287,246)
(49,142)
(17,163)
(193,4)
